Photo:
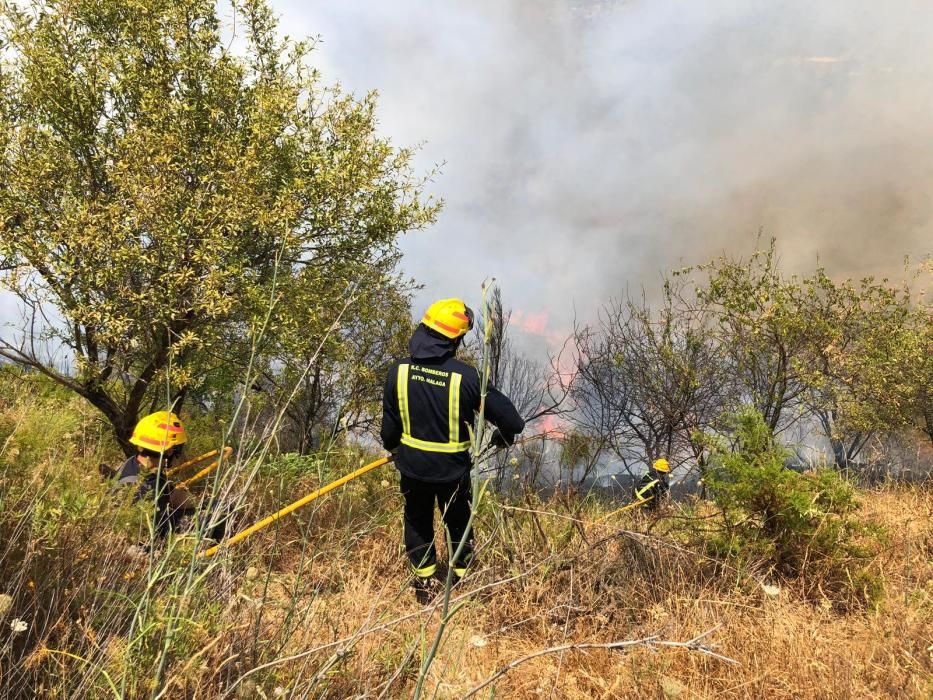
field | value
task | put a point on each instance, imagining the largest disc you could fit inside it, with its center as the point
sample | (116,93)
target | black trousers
(453,499)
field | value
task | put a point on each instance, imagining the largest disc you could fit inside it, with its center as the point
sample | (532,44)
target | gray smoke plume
(590,145)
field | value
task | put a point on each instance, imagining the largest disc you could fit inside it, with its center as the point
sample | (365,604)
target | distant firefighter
(654,485)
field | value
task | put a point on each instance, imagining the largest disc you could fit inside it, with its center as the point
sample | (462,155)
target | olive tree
(164,195)
(866,362)
(760,331)
(846,358)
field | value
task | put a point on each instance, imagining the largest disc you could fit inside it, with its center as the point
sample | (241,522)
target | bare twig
(694,644)
(352,639)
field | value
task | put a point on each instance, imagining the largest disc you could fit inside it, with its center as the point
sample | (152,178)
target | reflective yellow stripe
(642,491)
(460,571)
(424,572)
(453,409)
(402,390)
(428,446)
(453,444)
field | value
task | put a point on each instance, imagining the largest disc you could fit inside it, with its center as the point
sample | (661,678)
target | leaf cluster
(804,525)
(172,205)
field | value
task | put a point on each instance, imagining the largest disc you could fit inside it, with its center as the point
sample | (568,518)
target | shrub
(799,525)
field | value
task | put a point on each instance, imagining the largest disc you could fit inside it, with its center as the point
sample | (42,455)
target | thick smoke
(590,145)
(587,146)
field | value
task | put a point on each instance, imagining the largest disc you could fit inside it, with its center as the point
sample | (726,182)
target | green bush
(798,525)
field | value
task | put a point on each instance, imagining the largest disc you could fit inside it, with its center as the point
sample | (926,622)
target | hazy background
(589,145)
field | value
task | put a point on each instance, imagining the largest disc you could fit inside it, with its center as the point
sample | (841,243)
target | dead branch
(695,644)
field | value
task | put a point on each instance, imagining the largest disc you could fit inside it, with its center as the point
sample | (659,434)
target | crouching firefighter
(159,439)
(654,485)
(430,400)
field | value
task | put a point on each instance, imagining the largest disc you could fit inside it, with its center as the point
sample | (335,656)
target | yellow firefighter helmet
(159,432)
(449,317)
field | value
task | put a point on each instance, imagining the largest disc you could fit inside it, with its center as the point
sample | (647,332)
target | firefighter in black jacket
(159,439)
(654,485)
(430,400)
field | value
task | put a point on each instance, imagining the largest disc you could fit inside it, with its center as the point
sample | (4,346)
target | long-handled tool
(197,460)
(265,522)
(624,508)
(224,455)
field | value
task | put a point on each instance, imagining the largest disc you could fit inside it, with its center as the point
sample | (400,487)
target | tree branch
(694,644)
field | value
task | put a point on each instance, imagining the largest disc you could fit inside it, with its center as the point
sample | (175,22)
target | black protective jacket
(432,374)
(166,517)
(653,485)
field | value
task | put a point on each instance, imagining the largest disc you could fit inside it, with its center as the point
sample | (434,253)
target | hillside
(664,350)
(319,605)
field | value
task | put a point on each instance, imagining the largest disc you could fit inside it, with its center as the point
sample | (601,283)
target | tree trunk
(121,420)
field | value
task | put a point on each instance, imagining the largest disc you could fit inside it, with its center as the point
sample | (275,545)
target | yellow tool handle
(623,508)
(207,470)
(265,522)
(197,460)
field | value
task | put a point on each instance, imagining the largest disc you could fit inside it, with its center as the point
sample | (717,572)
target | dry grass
(319,606)
(364,625)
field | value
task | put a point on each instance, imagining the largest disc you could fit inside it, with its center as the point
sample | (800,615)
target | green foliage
(42,424)
(206,432)
(291,467)
(329,378)
(759,329)
(801,525)
(181,206)
(866,358)
(852,355)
